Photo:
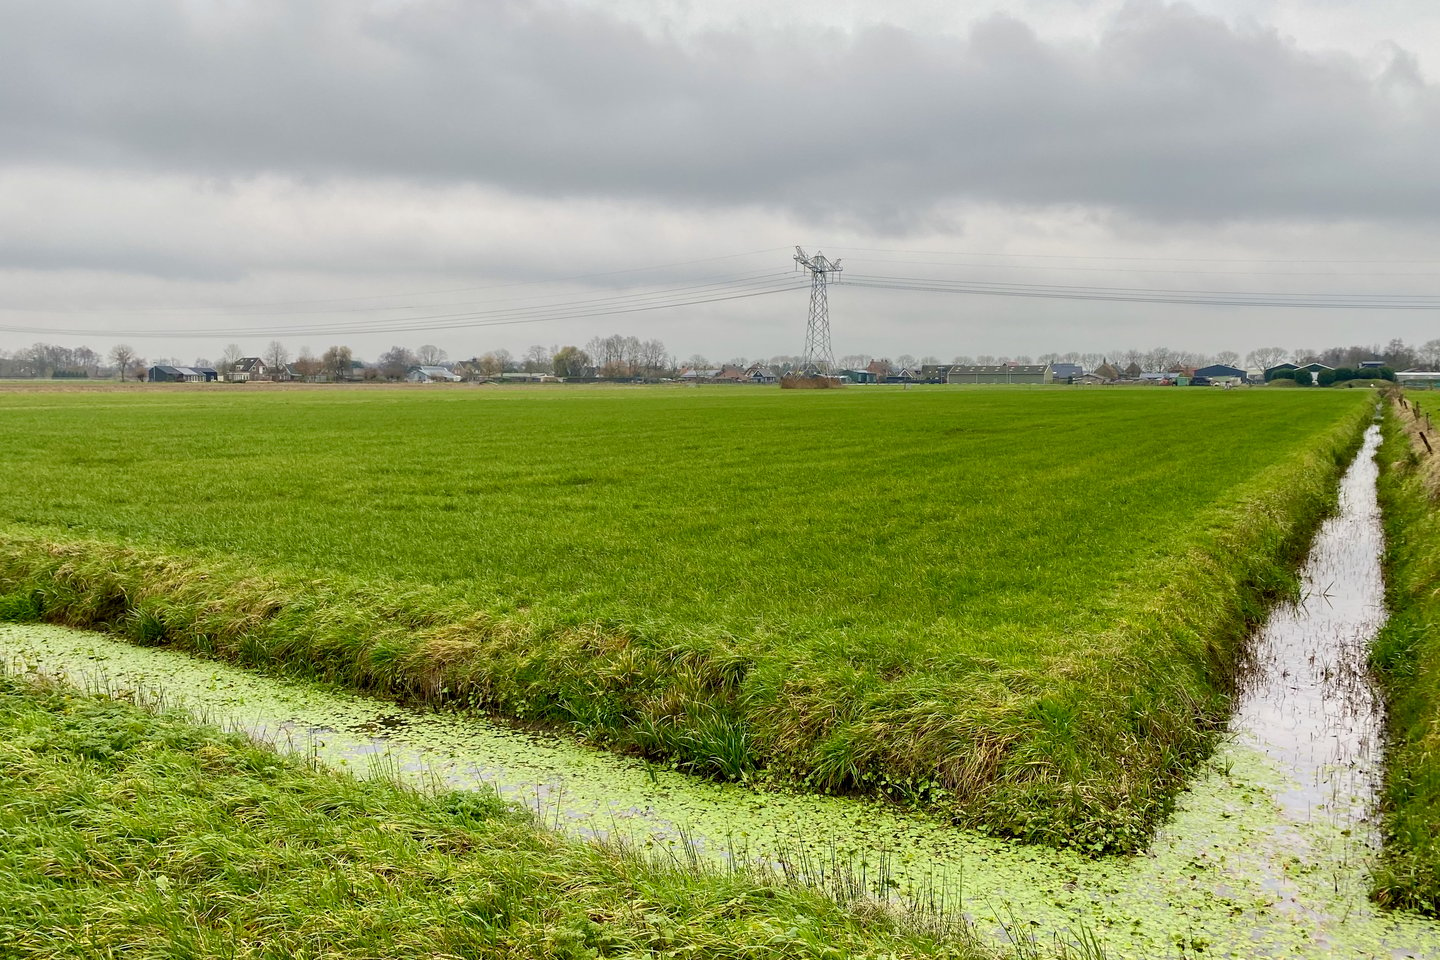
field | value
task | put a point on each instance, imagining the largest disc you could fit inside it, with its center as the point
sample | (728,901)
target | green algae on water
(1229,875)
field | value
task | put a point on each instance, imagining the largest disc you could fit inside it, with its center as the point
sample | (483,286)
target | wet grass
(1407,657)
(1023,608)
(133,833)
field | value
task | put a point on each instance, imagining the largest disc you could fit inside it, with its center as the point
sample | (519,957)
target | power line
(595,307)
(1149,295)
(245,310)
(1138,259)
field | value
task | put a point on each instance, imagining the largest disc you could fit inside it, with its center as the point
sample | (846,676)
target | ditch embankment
(1407,658)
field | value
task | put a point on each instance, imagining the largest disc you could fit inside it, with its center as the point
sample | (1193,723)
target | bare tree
(230,357)
(1228,357)
(336,361)
(1266,357)
(276,356)
(537,359)
(1398,355)
(88,360)
(492,365)
(122,355)
(396,362)
(1430,353)
(430,355)
(306,365)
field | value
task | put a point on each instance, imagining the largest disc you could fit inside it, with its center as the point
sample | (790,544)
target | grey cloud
(1170,116)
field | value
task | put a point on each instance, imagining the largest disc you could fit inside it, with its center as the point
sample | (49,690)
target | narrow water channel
(1267,855)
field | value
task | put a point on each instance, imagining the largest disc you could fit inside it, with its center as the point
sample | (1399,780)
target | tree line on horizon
(624,357)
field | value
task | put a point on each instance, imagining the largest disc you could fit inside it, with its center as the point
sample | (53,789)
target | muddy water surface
(1267,855)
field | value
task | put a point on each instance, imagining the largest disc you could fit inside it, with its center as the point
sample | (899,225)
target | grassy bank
(1020,607)
(1407,657)
(132,833)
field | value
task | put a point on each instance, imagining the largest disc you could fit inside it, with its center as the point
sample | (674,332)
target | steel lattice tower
(818,357)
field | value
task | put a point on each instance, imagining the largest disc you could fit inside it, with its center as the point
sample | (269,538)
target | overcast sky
(181,175)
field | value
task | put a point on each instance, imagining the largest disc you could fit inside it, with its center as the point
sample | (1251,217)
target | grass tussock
(1407,658)
(1037,645)
(137,834)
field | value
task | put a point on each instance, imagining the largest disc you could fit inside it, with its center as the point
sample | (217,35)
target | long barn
(1000,373)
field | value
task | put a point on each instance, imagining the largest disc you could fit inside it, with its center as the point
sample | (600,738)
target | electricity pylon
(818,358)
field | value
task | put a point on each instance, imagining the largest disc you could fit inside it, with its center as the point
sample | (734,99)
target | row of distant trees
(618,356)
(1397,355)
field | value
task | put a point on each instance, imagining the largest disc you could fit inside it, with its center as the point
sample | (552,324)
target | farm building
(935,372)
(757,373)
(1427,379)
(857,376)
(164,373)
(1222,371)
(429,374)
(1314,368)
(1000,373)
(1065,372)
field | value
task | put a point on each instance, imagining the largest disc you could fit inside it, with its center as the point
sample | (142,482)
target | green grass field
(1407,656)
(137,835)
(1020,606)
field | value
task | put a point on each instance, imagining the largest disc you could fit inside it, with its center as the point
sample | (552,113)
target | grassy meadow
(1407,657)
(143,835)
(1021,607)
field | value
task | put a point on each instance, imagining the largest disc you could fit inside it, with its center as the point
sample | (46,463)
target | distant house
(1132,371)
(879,369)
(1107,372)
(246,369)
(429,374)
(210,374)
(903,375)
(1370,364)
(730,375)
(699,374)
(1000,373)
(164,373)
(756,373)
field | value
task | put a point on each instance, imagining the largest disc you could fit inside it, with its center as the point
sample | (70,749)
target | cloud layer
(1170,115)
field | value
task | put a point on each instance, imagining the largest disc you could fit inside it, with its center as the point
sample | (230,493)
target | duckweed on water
(1229,875)
(134,834)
